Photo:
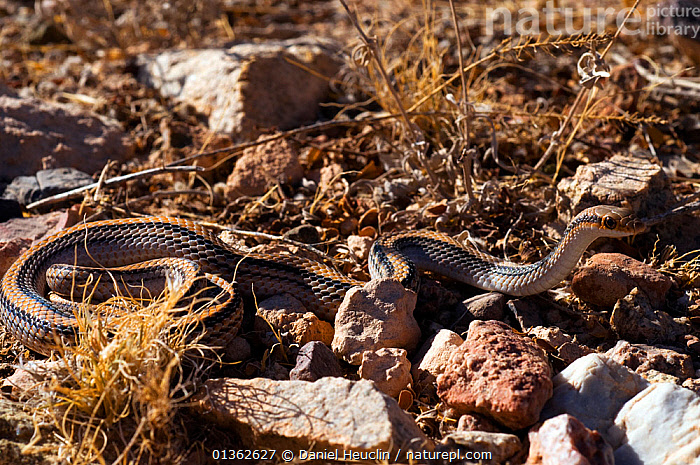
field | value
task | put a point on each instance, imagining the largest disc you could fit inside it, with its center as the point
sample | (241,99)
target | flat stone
(593,389)
(635,318)
(432,359)
(563,439)
(502,447)
(388,368)
(377,315)
(497,373)
(38,135)
(608,277)
(639,181)
(331,413)
(315,360)
(248,87)
(642,358)
(660,425)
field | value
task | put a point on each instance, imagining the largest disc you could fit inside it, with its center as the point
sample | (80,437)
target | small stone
(263,166)
(359,246)
(476,422)
(388,368)
(488,306)
(608,277)
(314,361)
(432,359)
(593,389)
(331,413)
(634,318)
(502,447)
(660,425)
(377,315)
(304,233)
(552,335)
(571,351)
(563,439)
(237,350)
(291,321)
(29,377)
(642,358)
(497,373)
(693,384)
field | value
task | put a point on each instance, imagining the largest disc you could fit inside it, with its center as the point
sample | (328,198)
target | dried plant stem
(411,132)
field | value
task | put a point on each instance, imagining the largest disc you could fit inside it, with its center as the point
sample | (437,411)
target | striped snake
(36,321)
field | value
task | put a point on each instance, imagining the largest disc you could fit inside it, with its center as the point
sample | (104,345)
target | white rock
(593,389)
(659,426)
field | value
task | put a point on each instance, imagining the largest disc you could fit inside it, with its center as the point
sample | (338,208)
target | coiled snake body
(31,317)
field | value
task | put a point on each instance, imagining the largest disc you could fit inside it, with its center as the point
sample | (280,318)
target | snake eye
(609,222)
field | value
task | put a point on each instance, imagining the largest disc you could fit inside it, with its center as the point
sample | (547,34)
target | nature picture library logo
(679,17)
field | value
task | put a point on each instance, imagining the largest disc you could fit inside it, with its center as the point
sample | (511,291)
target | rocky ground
(324,130)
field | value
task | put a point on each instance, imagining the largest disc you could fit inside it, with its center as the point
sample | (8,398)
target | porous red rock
(565,440)
(288,317)
(263,166)
(377,315)
(388,368)
(608,277)
(497,373)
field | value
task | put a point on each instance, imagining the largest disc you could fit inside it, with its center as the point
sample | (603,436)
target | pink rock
(315,361)
(608,277)
(497,373)
(565,440)
(288,317)
(263,166)
(377,315)
(359,246)
(388,368)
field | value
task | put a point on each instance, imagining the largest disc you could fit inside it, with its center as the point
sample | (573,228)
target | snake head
(612,221)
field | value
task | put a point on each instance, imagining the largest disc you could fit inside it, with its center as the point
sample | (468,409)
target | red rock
(263,166)
(497,373)
(290,319)
(565,440)
(608,277)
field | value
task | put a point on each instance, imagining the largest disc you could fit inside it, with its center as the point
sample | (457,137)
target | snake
(39,322)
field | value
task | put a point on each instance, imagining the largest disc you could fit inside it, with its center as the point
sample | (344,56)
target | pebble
(262,166)
(608,277)
(660,425)
(476,422)
(377,315)
(315,360)
(489,306)
(634,318)
(593,389)
(432,359)
(565,440)
(289,318)
(502,447)
(331,413)
(498,373)
(643,358)
(359,247)
(388,368)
